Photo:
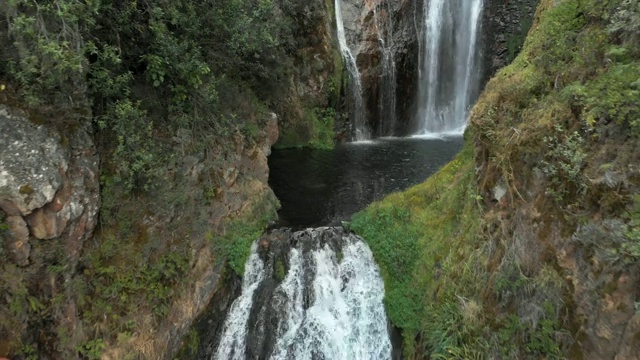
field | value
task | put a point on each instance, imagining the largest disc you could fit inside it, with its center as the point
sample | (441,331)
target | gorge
(339,318)
(161,164)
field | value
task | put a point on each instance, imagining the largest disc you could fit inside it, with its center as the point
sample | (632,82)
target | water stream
(449,73)
(387,97)
(361,130)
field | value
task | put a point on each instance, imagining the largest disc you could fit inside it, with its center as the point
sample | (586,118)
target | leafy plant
(563,165)
(92,350)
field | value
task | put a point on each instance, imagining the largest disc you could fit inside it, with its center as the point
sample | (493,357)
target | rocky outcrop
(48,185)
(226,186)
(49,201)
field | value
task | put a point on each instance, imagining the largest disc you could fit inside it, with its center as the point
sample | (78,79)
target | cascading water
(387,99)
(357,112)
(448,76)
(328,305)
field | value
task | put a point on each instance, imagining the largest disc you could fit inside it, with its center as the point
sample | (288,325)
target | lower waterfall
(312,294)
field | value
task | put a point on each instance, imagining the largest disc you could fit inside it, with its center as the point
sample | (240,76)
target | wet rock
(505,26)
(372,29)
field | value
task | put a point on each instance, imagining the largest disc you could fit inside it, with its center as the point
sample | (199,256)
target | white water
(449,61)
(234,334)
(361,130)
(345,320)
(387,98)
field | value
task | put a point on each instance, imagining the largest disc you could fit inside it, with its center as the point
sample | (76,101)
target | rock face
(383,37)
(49,194)
(49,202)
(227,184)
(505,26)
(315,78)
(48,185)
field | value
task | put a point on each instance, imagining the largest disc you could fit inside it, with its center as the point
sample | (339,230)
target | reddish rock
(18,241)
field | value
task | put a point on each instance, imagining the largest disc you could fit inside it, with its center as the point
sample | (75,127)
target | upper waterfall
(449,73)
(357,112)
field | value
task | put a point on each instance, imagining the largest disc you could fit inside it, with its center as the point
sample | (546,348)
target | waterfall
(361,129)
(234,335)
(449,65)
(387,98)
(327,306)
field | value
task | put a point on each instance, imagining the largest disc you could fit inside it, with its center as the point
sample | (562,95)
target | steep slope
(527,245)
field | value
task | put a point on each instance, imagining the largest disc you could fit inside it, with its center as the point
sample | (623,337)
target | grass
(418,238)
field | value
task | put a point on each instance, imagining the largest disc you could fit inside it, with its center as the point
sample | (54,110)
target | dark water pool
(321,187)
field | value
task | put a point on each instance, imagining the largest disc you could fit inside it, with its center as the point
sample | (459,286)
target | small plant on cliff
(563,165)
(92,350)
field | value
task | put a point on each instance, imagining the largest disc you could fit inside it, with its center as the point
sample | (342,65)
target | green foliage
(92,350)
(178,58)
(48,61)
(613,95)
(411,235)
(235,246)
(563,165)
(626,21)
(125,281)
(631,247)
(137,153)
(28,352)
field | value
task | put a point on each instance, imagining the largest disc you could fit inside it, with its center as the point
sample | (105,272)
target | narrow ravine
(312,294)
(317,293)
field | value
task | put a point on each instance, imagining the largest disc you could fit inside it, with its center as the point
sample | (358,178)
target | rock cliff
(58,272)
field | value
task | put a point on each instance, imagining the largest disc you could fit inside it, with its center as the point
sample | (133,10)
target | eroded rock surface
(48,184)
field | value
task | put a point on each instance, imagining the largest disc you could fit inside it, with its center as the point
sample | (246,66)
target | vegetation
(156,82)
(469,275)
(185,65)
(423,280)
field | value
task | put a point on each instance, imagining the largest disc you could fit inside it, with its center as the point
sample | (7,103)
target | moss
(315,130)
(235,244)
(26,189)
(190,345)
(280,270)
